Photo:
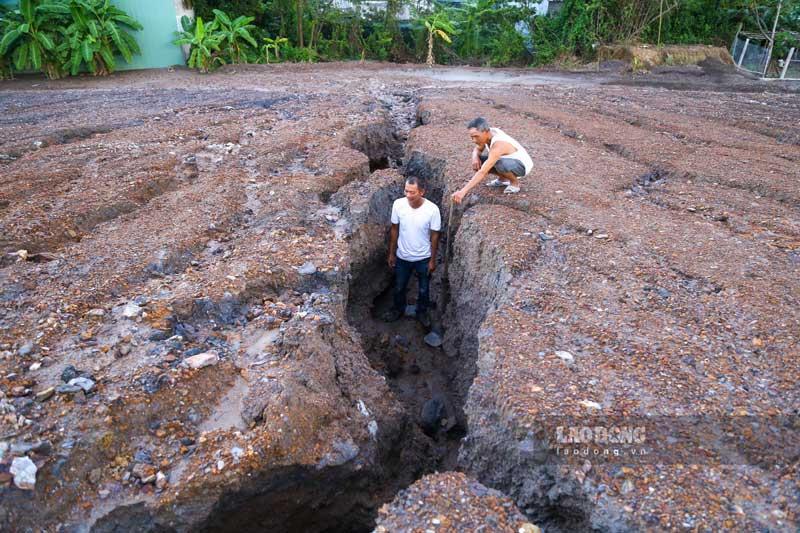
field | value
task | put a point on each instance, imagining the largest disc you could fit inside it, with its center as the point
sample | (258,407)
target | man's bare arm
(434,249)
(497,151)
(393,234)
(476,156)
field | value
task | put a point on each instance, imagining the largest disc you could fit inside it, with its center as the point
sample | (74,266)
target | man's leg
(501,176)
(402,273)
(423,298)
(505,168)
(509,177)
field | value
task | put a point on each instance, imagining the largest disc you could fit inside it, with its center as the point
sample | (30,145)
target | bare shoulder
(502,148)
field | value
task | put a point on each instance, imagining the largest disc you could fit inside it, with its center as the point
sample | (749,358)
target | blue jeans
(402,274)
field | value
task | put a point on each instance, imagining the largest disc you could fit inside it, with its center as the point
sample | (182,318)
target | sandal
(511,190)
(497,182)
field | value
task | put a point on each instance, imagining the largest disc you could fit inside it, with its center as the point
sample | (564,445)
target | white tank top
(521,154)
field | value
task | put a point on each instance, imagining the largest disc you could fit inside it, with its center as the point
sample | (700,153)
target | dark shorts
(507,164)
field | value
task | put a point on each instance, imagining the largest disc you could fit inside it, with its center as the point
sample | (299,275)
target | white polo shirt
(414,242)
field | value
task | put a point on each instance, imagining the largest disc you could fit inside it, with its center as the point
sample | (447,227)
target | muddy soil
(193,275)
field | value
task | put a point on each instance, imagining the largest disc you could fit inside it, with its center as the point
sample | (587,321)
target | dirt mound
(644,57)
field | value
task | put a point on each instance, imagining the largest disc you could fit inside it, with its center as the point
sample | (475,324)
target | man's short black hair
(414,180)
(479,123)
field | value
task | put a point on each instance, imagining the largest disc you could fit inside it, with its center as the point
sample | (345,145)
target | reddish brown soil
(671,276)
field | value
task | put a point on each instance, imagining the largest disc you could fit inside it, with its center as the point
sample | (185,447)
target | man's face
(478,137)
(414,193)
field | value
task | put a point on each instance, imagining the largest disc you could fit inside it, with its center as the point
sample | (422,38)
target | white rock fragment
(565,356)
(161,480)
(307,269)
(85,383)
(220,464)
(590,404)
(131,310)
(202,360)
(237,453)
(24,472)
(362,408)
(372,427)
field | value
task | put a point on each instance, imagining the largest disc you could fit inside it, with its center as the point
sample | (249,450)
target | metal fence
(750,54)
(789,67)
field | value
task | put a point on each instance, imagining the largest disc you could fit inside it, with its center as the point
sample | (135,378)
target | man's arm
(393,233)
(434,249)
(476,156)
(495,153)
(497,150)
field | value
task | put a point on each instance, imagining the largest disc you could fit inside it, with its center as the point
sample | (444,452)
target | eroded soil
(164,215)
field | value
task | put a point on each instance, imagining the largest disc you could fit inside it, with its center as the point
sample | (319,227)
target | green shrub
(60,36)
(272,48)
(302,55)
(204,43)
(379,43)
(5,65)
(32,34)
(235,35)
(234,8)
(221,41)
(96,35)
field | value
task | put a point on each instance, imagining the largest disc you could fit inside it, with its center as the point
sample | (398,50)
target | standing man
(506,159)
(413,241)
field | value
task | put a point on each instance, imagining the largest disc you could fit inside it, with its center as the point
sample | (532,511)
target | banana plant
(205,53)
(235,33)
(5,66)
(438,25)
(30,36)
(97,34)
(275,45)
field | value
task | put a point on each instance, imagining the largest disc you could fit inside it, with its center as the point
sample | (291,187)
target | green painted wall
(160,21)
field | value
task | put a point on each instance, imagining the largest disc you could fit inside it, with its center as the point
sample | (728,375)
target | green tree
(469,19)
(438,25)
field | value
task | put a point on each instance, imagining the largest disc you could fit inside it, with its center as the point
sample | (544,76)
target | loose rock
(307,269)
(202,360)
(131,310)
(24,472)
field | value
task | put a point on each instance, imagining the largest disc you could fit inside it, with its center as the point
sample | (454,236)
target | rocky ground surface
(193,266)
(451,502)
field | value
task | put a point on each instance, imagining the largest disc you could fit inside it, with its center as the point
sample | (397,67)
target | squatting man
(506,158)
(413,242)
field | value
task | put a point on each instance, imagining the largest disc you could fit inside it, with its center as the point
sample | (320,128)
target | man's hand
(392,260)
(459,195)
(476,163)
(431,265)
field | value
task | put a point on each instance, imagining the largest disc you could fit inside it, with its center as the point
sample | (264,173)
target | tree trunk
(300,23)
(430,49)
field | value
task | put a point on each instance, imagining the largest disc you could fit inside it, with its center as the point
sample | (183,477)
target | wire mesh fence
(750,54)
(789,67)
(792,70)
